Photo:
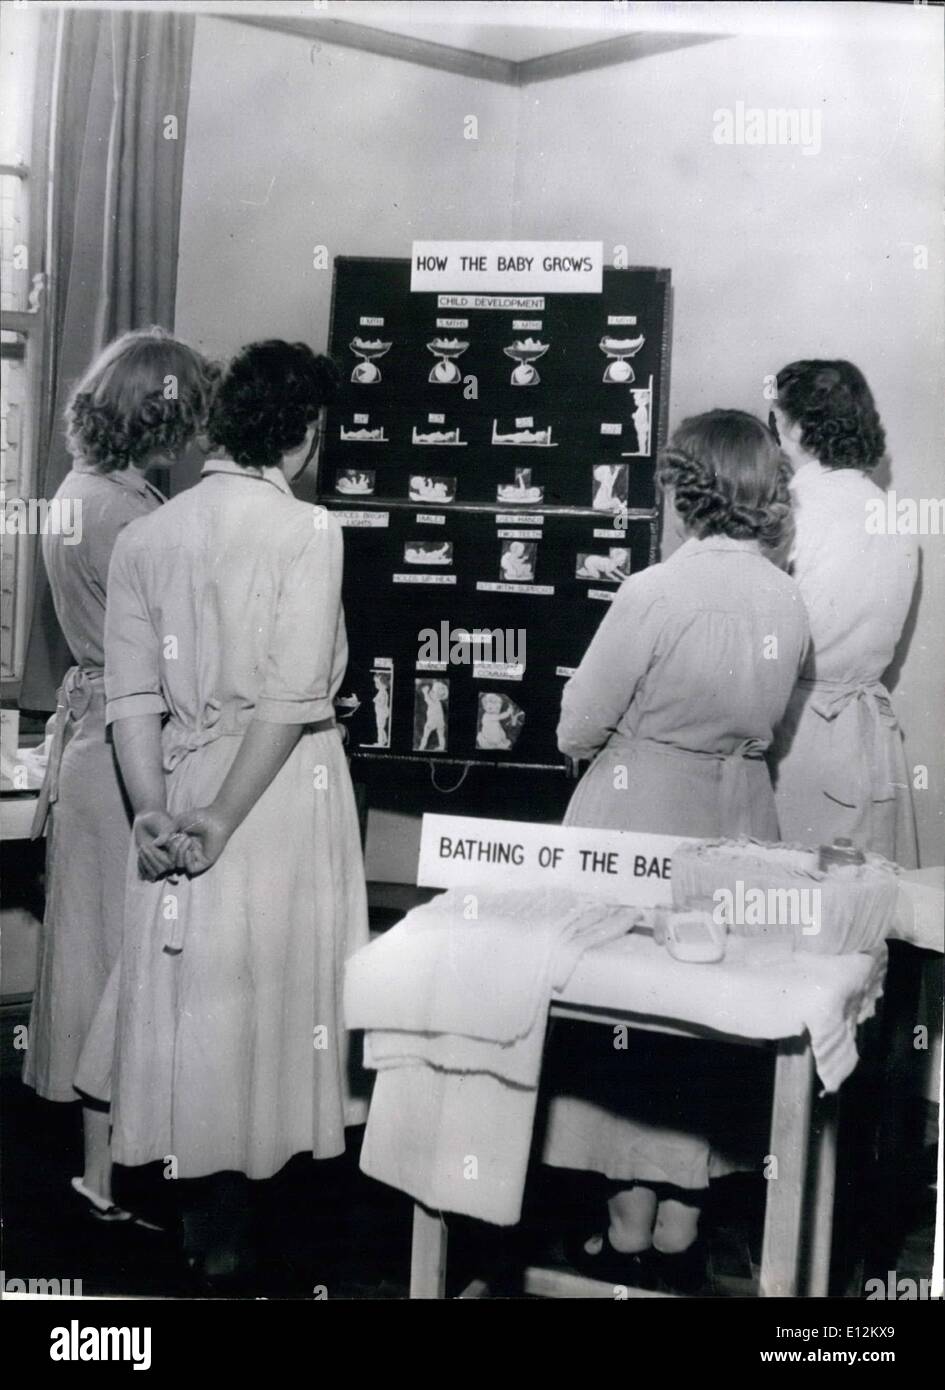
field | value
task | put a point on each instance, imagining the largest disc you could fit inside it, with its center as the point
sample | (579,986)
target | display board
(491,459)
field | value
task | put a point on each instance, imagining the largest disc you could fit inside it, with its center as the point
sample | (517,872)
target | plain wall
(291,146)
(777,255)
(774,254)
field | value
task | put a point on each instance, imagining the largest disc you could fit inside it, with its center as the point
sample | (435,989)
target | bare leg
(632,1213)
(96,1136)
(677,1225)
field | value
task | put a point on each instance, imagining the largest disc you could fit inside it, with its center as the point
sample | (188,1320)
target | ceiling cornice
(625,48)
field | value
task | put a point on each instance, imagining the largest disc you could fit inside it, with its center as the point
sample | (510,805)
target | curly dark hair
(834,407)
(145,395)
(728,477)
(270,394)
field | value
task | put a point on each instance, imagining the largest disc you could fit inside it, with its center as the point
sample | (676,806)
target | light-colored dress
(88,818)
(841,767)
(232,1055)
(676,699)
(679,692)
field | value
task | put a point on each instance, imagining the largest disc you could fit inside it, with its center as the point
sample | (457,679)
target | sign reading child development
(517,267)
(617,865)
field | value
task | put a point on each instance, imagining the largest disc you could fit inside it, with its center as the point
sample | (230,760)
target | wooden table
(799,1201)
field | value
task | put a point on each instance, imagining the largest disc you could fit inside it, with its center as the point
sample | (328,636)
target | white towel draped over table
(455,1013)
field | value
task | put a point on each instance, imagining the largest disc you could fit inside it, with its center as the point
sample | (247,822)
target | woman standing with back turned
(676,701)
(139,405)
(841,767)
(225,646)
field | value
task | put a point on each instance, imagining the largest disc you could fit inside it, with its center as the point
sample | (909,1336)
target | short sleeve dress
(88,822)
(231,1054)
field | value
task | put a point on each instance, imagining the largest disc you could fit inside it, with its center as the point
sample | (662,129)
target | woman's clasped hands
(189,842)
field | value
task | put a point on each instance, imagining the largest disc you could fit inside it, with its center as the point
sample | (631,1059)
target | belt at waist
(738,769)
(751,750)
(82,687)
(227,719)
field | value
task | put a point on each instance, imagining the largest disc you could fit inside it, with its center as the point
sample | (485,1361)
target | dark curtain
(120,82)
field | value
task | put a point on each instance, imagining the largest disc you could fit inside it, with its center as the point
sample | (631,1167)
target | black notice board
(489,495)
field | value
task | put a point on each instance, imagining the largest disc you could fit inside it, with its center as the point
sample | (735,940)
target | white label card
(526,325)
(524,422)
(371,323)
(431,665)
(515,519)
(498,670)
(565,671)
(613,865)
(611,429)
(385,663)
(487,586)
(519,535)
(424,578)
(520,267)
(361,419)
(452,323)
(621,320)
(362,518)
(436,419)
(605,595)
(430,519)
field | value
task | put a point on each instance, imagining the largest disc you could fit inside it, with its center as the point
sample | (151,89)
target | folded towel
(442,970)
(455,1009)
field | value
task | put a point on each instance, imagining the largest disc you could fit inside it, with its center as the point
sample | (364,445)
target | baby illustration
(641,420)
(429,490)
(521,490)
(607,476)
(614,566)
(354,482)
(499,721)
(428,555)
(516,563)
(435,694)
(382,709)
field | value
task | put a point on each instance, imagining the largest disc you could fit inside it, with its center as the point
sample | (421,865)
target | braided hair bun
(728,477)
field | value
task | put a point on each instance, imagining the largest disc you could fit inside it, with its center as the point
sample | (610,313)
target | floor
(326,1230)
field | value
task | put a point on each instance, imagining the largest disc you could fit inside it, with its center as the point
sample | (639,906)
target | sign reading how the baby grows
(549,267)
(618,865)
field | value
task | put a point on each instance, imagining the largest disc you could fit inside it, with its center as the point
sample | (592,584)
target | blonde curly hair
(145,394)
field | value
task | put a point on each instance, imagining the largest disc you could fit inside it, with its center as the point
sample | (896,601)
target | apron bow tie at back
(80,687)
(221,719)
(863,719)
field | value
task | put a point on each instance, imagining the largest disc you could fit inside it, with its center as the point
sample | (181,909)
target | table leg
(428,1254)
(825,1178)
(789,1144)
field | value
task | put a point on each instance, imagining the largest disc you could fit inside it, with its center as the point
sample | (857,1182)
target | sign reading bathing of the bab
(616,865)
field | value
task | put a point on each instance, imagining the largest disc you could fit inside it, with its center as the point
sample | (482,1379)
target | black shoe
(683,1273)
(611,1266)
